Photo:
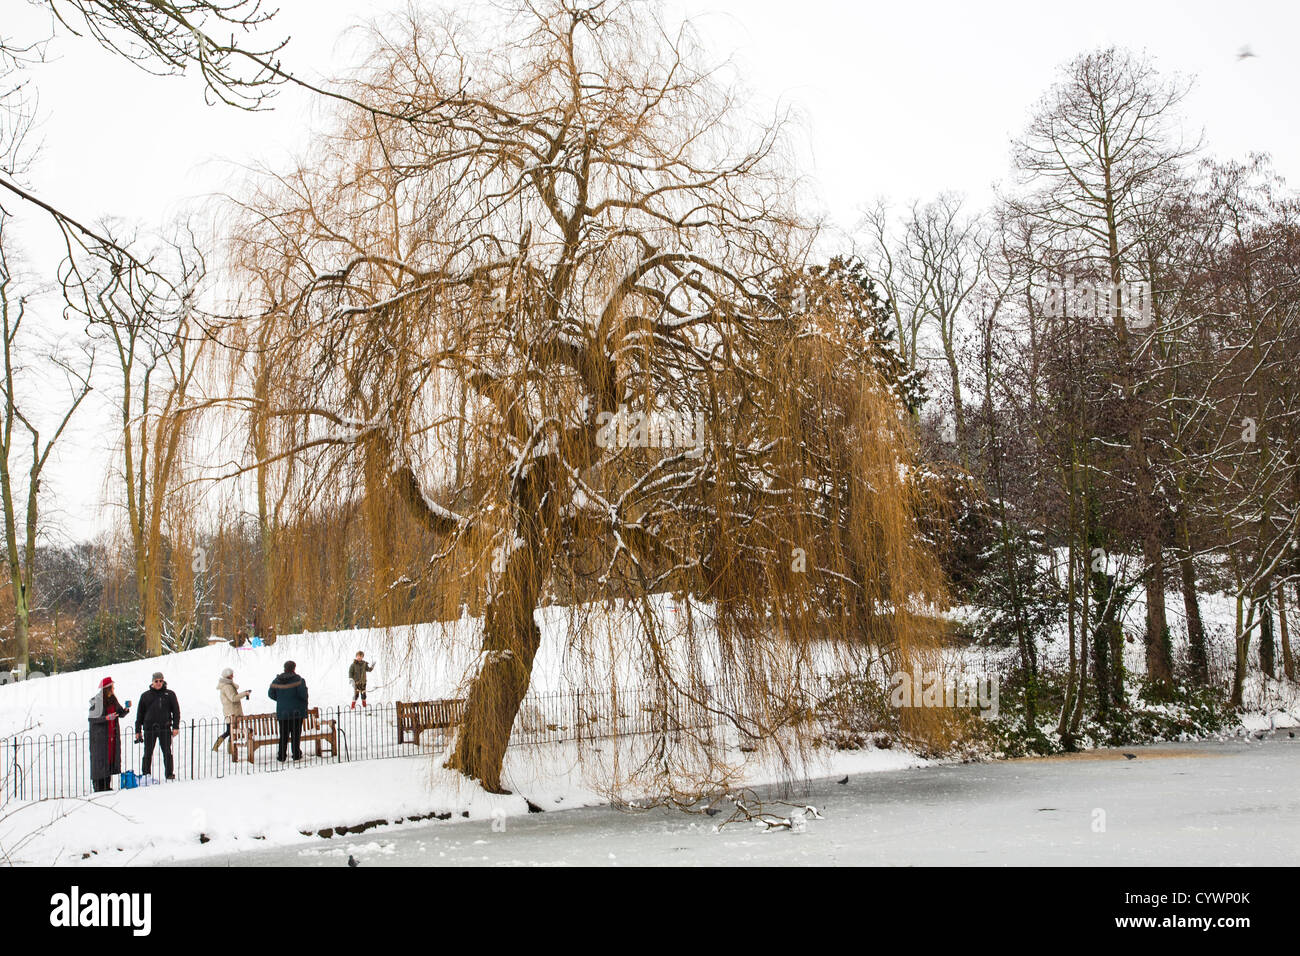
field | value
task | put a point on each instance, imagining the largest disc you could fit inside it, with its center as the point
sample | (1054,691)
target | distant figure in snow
(105,751)
(289,691)
(230,702)
(158,720)
(357,672)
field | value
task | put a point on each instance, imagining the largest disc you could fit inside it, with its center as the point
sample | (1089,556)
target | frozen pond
(1234,803)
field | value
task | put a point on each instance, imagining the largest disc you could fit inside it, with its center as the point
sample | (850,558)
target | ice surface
(1234,803)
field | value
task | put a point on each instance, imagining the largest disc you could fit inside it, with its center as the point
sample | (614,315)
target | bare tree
(171,36)
(943,253)
(885,258)
(157,345)
(21,505)
(1097,159)
(1244,407)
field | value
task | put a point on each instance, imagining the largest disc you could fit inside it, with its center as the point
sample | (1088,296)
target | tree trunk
(958,413)
(1158,657)
(21,658)
(511,638)
(1242,643)
(1077,717)
(1101,646)
(1160,665)
(1067,707)
(1118,672)
(1288,661)
(1197,654)
(1108,646)
(510,642)
(1075,681)
(1267,651)
(151,610)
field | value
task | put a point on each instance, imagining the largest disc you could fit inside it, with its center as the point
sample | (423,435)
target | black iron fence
(43,766)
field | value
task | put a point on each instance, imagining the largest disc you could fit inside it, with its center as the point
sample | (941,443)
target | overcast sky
(901,100)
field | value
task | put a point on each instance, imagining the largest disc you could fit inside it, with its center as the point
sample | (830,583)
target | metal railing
(44,766)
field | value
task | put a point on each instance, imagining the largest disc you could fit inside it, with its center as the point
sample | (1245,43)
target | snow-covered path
(1233,803)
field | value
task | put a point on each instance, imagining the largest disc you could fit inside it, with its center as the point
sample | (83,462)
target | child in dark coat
(357,672)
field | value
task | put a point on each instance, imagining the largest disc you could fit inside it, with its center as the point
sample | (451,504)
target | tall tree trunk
(152,613)
(1077,717)
(958,412)
(1197,653)
(1242,643)
(1108,646)
(1028,651)
(1118,672)
(1074,682)
(269,599)
(1267,650)
(1160,664)
(1288,661)
(1158,657)
(510,642)
(21,642)
(511,638)
(1080,584)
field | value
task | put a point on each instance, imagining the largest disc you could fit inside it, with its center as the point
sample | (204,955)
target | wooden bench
(259,730)
(415,717)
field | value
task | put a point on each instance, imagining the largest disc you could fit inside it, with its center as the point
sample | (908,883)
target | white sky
(901,100)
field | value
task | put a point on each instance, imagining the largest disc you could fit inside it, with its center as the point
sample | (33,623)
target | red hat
(105,682)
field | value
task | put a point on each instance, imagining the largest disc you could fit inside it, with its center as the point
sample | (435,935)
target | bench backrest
(269,724)
(434,713)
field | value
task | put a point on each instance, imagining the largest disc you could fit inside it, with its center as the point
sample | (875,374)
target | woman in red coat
(105,738)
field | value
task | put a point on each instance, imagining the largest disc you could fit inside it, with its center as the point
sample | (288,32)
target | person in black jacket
(159,718)
(105,749)
(289,691)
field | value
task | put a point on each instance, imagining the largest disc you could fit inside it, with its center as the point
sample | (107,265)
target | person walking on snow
(159,719)
(230,702)
(289,691)
(105,751)
(357,672)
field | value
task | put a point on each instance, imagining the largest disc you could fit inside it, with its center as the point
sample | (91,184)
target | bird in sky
(1245,53)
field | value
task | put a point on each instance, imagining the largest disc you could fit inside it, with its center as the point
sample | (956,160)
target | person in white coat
(231,702)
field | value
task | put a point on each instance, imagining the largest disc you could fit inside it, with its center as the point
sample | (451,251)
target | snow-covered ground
(411,663)
(231,814)
(582,647)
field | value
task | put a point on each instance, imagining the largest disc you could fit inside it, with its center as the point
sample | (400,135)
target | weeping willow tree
(545,319)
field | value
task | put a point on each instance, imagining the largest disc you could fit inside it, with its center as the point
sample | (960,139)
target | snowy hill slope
(412,662)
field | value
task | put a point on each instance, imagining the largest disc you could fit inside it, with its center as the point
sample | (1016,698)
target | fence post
(191,749)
